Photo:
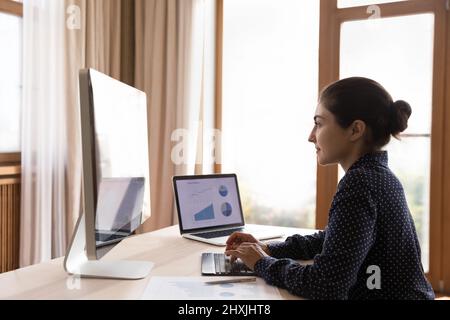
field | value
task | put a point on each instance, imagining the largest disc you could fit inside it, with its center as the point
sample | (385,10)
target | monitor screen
(208,202)
(118,157)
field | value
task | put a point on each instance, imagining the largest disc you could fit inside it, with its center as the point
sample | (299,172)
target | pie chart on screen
(223,191)
(226,209)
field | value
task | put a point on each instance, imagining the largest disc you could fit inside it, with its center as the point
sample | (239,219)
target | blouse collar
(373,158)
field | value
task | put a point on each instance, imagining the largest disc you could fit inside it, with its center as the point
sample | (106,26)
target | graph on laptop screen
(208,202)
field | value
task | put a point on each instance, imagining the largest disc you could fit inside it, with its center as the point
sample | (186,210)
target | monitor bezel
(89,165)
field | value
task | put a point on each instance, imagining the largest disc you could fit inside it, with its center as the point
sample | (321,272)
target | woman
(369,249)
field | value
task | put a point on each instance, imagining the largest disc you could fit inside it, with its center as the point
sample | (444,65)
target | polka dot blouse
(369,250)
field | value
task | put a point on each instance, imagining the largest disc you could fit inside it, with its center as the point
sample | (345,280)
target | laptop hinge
(215,229)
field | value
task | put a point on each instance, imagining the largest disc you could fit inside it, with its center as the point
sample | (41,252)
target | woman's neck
(353,156)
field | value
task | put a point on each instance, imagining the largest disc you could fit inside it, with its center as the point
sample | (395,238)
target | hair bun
(401,111)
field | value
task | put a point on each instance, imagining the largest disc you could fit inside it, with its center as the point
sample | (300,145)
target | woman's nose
(312,137)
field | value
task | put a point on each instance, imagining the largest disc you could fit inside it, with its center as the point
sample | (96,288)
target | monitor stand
(77,263)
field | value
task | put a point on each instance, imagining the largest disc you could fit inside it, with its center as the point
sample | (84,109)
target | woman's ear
(357,130)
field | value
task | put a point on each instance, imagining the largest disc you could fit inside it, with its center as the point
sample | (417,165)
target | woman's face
(331,141)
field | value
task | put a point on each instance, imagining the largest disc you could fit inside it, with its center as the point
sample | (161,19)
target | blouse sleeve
(349,237)
(298,247)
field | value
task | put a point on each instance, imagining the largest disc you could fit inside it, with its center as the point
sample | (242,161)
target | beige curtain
(163,47)
(174,65)
(103,41)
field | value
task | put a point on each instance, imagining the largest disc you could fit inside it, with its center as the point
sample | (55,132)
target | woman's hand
(237,238)
(249,253)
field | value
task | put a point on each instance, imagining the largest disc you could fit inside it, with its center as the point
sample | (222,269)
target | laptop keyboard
(217,234)
(225,267)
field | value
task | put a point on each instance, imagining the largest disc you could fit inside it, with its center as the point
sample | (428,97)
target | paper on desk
(194,288)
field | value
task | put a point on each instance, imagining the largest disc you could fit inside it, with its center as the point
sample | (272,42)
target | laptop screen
(208,201)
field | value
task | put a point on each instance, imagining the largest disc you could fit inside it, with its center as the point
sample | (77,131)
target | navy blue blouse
(370,233)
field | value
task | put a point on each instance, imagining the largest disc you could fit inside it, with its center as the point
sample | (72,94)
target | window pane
(398,53)
(385,50)
(10,82)
(269,98)
(356,3)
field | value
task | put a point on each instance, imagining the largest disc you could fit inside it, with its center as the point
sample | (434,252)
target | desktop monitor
(116,185)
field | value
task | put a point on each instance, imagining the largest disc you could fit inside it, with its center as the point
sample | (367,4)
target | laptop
(209,209)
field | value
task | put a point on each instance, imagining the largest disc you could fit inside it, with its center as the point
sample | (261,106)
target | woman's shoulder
(372,179)
(355,178)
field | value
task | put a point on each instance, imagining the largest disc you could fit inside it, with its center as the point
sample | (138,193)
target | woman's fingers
(239,251)
(234,236)
(234,254)
(238,238)
(234,240)
(248,252)
(246,245)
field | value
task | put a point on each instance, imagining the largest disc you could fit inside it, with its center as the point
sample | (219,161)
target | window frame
(11,7)
(14,8)
(218,85)
(327,177)
(445,231)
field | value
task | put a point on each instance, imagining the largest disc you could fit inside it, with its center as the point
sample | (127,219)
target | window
(398,53)
(270,85)
(11,76)
(405,47)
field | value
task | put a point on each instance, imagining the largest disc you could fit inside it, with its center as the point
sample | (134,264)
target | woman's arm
(349,237)
(298,247)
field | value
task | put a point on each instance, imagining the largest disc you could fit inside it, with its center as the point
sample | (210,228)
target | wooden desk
(172,255)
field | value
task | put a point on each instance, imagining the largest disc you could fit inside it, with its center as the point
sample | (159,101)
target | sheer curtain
(164,47)
(43,134)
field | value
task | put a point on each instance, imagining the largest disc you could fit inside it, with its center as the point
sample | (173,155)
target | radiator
(9,223)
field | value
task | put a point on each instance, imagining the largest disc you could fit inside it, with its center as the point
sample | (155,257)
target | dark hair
(366,100)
